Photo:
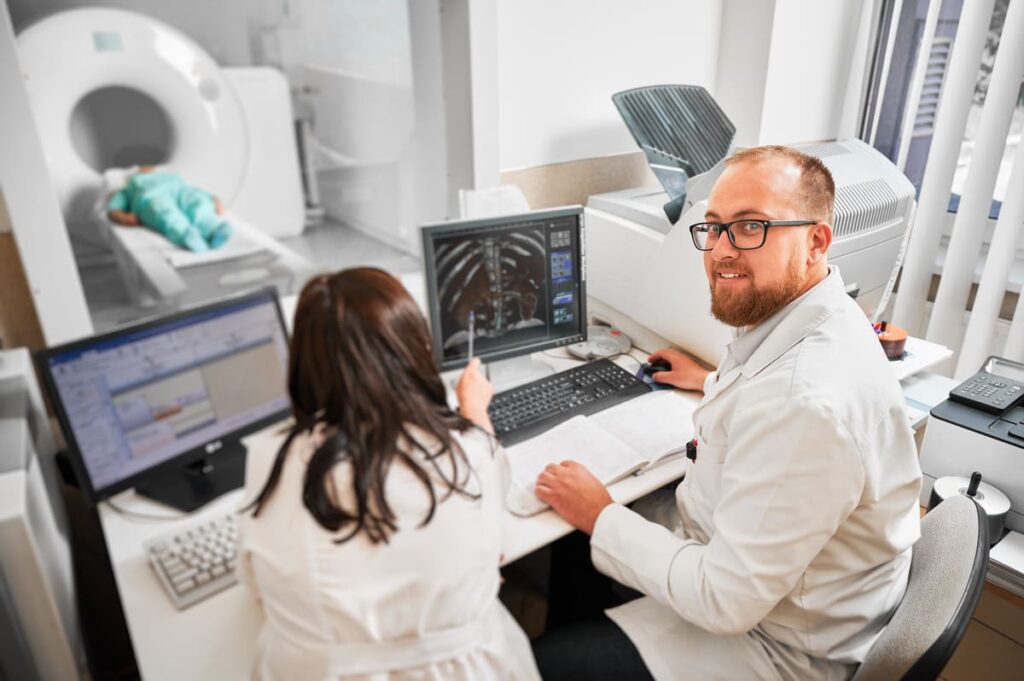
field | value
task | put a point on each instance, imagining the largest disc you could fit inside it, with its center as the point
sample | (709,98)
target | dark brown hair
(360,367)
(817,188)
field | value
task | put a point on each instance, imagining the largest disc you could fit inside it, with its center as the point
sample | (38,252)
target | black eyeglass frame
(727,228)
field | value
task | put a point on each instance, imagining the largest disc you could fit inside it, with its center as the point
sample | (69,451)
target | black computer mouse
(655,366)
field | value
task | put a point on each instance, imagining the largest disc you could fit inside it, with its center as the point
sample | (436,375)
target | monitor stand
(508,373)
(188,487)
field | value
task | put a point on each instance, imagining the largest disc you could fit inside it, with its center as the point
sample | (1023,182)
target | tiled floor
(993,646)
(333,246)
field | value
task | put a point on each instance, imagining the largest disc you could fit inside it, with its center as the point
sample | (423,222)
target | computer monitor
(523,278)
(162,405)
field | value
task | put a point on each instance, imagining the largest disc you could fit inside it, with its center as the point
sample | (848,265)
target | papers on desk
(918,355)
(1006,563)
(922,391)
(613,443)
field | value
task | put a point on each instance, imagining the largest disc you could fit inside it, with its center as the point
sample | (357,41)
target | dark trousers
(592,650)
(580,642)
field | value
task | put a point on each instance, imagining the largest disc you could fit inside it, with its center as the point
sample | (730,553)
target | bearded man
(798,514)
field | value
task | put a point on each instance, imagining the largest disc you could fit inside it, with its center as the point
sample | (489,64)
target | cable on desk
(136,515)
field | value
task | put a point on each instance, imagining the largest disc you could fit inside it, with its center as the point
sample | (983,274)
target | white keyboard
(195,563)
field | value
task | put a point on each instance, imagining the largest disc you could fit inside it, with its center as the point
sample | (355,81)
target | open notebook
(612,443)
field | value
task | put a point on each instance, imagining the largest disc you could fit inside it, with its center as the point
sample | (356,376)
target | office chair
(947,573)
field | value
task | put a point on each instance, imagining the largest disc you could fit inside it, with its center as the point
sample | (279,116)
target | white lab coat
(423,606)
(798,515)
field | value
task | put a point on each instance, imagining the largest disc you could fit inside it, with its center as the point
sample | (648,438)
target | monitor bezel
(95,495)
(430,232)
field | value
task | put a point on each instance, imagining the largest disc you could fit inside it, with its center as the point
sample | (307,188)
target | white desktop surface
(920,355)
(214,639)
(217,638)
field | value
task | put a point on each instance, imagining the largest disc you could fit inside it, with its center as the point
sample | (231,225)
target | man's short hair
(818,189)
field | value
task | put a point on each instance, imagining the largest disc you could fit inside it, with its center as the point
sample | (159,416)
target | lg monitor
(162,405)
(507,286)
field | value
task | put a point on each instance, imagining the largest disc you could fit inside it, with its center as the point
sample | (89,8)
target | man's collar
(760,346)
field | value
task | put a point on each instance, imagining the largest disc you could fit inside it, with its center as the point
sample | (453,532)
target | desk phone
(997,386)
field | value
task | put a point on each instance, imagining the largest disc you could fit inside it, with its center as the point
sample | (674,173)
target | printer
(643,271)
(976,430)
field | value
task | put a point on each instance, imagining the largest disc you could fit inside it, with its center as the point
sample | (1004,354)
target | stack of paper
(1006,563)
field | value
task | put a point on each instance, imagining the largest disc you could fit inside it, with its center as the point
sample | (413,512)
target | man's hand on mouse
(474,392)
(686,373)
(574,493)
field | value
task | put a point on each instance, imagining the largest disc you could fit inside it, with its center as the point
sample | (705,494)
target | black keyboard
(532,408)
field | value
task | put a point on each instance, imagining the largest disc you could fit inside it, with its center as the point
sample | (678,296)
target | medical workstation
(173,174)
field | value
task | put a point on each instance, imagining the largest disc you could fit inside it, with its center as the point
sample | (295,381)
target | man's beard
(754,305)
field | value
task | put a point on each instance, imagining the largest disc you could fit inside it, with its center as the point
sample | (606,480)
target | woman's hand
(686,372)
(474,392)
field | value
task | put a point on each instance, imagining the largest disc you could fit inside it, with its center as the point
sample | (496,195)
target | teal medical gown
(164,202)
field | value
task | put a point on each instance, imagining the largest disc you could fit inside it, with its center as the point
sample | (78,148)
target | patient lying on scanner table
(161,200)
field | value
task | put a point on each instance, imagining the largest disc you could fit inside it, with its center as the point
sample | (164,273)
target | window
(890,109)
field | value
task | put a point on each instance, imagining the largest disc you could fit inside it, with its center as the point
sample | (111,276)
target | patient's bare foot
(123,217)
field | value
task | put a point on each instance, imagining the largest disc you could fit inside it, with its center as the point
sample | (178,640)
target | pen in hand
(472,332)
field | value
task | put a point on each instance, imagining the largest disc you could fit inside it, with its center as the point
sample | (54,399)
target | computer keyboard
(195,563)
(530,409)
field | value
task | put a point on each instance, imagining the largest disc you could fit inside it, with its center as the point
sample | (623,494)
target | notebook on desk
(613,443)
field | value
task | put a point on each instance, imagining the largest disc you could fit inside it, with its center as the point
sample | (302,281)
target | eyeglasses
(744,235)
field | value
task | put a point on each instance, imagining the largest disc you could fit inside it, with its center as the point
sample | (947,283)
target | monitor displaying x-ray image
(516,283)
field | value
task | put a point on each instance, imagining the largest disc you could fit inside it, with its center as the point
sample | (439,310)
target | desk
(217,638)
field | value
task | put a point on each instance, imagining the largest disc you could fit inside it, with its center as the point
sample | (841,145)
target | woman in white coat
(374,532)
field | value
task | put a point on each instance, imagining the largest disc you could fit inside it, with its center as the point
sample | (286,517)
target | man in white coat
(798,515)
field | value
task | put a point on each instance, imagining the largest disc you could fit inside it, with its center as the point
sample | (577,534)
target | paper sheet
(611,443)
(656,424)
(578,439)
(1010,552)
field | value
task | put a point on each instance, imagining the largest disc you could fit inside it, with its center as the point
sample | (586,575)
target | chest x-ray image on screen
(516,283)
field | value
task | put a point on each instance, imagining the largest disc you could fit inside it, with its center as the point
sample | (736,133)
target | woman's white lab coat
(424,605)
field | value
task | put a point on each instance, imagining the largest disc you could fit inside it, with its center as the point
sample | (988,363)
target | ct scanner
(111,89)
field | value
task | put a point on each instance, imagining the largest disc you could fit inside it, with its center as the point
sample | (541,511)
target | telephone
(995,388)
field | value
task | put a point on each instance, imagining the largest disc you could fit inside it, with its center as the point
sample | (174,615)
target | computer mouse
(655,366)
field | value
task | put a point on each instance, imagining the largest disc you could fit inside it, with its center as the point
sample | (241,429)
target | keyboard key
(197,562)
(530,409)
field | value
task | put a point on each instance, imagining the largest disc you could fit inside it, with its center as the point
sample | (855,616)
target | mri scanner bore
(111,89)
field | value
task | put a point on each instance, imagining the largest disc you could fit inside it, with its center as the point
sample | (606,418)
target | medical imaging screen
(135,401)
(520,282)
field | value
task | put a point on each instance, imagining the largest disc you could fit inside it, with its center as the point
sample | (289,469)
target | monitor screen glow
(136,399)
(520,278)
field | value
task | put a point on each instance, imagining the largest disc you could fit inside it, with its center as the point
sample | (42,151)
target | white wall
(791,70)
(560,62)
(808,69)
(220,27)
(742,72)
(32,207)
